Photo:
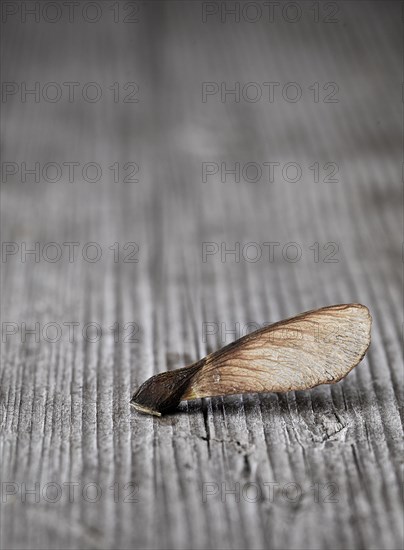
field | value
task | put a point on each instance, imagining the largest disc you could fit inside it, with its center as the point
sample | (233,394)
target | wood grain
(310,469)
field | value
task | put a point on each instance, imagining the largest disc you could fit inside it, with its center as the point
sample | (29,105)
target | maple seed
(316,347)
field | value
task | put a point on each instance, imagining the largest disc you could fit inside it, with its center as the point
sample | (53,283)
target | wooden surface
(312,469)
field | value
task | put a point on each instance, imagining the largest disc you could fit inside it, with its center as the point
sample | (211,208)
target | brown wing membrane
(317,347)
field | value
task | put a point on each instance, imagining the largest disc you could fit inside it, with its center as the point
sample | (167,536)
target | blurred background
(174,175)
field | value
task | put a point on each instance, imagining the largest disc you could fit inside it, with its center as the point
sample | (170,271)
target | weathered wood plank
(314,469)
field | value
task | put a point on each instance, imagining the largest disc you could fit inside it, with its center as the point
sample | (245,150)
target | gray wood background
(307,470)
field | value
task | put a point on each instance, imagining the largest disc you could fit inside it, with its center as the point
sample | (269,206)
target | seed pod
(317,347)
